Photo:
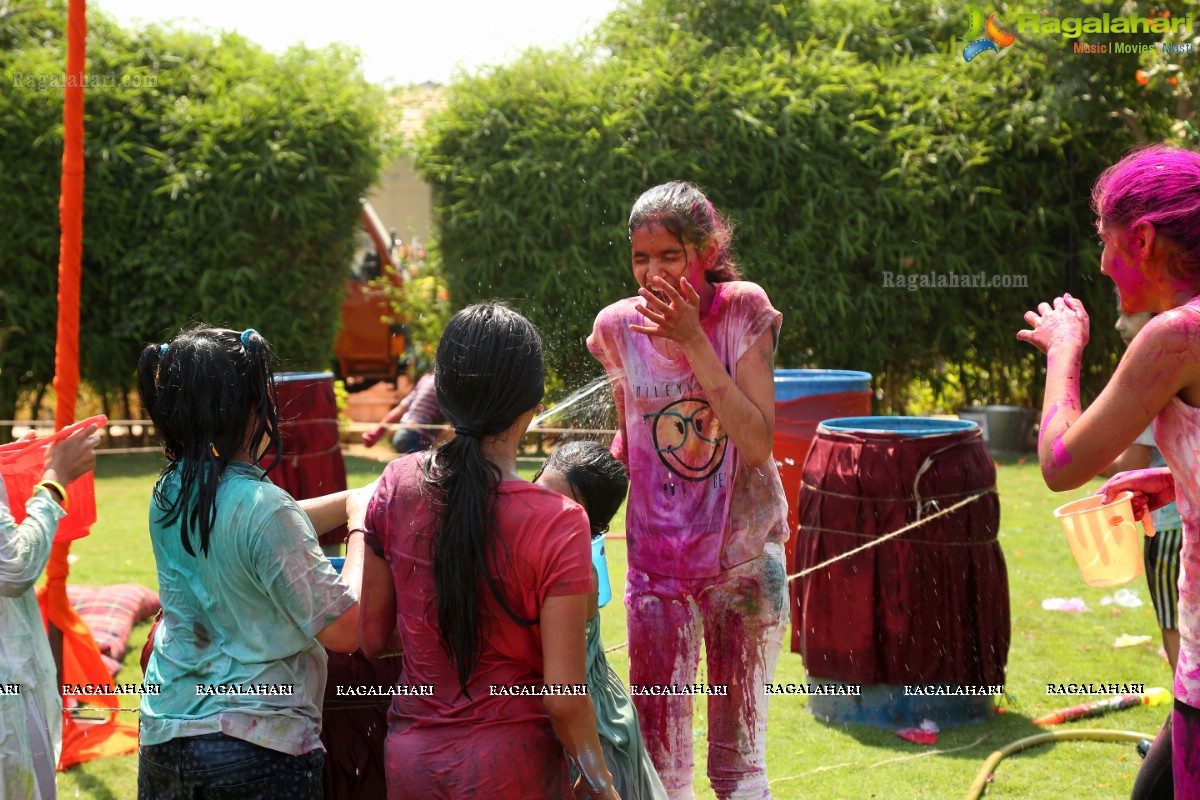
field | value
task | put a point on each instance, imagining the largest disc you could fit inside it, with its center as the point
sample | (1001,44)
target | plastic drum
(311,463)
(928,608)
(804,397)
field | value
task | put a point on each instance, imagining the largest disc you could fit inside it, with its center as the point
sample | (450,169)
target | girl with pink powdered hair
(1147,210)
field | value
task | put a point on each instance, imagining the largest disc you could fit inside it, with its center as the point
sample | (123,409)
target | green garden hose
(1100,735)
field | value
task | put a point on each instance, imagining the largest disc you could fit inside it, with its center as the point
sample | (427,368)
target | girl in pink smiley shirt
(1148,216)
(693,380)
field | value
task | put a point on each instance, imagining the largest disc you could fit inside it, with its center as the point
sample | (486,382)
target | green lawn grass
(806,758)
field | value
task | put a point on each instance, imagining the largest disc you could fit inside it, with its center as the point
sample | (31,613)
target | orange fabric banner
(81,662)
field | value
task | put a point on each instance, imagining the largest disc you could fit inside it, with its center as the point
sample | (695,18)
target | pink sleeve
(566,561)
(598,343)
(376,521)
(752,316)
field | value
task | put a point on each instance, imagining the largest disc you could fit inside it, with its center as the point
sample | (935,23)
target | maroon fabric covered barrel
(354,724)
(311,464)
(927,607)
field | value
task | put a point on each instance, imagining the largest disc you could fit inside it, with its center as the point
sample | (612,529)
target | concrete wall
(403,201)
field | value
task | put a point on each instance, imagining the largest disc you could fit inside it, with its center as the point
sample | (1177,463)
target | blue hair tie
(162,349)
(245,337)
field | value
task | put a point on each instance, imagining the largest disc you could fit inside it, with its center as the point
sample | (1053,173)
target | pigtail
(201,391)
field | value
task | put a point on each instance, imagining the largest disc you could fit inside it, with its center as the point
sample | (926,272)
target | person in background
(588,473)
(1161,551)
(420,407)
(31,721)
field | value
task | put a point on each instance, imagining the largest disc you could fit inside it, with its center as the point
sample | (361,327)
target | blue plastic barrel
(904,426)
(791,384)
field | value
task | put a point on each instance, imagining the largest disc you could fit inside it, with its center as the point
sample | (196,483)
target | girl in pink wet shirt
(693,379)
(1148,215)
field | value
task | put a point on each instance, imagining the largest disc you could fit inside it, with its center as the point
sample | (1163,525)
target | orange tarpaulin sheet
(81,662)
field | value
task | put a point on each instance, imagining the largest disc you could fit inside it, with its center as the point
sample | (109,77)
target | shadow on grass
(92,786)
(956,743)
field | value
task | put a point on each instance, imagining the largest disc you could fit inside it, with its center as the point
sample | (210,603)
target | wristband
(57,489)
(353,531)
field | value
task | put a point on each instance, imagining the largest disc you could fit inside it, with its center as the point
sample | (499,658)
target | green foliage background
(845,138)
(222,186)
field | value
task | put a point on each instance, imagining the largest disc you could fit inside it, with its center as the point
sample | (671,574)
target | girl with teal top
(248,597)
(587,473)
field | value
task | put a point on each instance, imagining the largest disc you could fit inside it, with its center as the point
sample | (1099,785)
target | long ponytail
(489,371)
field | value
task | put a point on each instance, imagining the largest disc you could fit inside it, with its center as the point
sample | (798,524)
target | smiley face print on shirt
(688,438)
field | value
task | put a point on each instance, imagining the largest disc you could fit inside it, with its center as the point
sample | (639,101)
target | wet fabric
(634,775)
(453,745)
(695,507)
(1167,516)
(930,606)
(740,616)
(31,721)
(1177,432)
(245,615)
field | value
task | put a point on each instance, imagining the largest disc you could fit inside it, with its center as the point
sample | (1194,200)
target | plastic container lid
(906,426)
(284,377)
(796,383)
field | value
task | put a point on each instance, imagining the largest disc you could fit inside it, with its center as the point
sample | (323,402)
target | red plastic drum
(928,607)
(311,464)
(804,397)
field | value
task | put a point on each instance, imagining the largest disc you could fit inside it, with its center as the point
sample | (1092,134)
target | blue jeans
(219,767)
(408,440)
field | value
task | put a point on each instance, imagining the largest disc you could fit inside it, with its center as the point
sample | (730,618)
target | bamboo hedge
(848,141)
(222,186)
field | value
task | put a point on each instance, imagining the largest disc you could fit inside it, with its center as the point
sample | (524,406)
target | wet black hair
(598,479)
(684,211)
(211,395)
(488,372)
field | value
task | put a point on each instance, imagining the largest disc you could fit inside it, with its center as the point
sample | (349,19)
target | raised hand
(1064,323)
(675,312)
(71,457)
(374,435)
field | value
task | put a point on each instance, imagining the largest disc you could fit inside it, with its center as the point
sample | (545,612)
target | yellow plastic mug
(1104,538)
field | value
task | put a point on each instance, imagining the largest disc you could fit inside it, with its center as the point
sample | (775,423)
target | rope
(809,487)
(906,541)
(892,535)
